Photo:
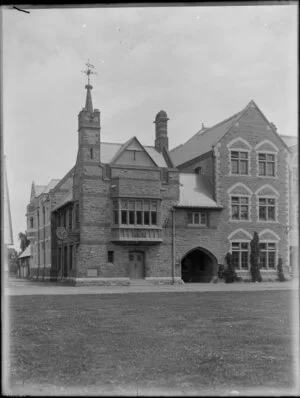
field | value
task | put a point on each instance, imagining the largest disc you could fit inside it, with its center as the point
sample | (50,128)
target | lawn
(184,342)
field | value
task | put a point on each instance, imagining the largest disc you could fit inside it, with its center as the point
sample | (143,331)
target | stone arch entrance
(198,266)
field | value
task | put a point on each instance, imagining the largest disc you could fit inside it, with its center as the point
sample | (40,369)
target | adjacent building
(128,212)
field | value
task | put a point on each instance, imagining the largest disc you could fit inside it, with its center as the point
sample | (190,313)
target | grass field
(186,342)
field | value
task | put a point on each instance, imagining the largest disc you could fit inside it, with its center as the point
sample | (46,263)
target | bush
(221,271)
(229,274)
(280,273)
(254,259)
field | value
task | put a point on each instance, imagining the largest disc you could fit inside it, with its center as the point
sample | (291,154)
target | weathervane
(89,70)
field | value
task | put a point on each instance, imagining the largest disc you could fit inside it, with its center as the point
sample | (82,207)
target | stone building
(128,212)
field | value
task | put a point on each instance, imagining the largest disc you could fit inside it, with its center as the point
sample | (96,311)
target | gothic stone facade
(139,212)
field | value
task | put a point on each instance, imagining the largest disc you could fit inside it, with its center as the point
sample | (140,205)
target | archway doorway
(198,266)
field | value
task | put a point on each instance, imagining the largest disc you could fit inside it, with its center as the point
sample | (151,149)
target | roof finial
(89,71)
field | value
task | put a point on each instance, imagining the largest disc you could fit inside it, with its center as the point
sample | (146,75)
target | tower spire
(89,71)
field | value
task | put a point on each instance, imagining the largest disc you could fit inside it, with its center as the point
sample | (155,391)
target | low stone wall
(164,280)
(98,281)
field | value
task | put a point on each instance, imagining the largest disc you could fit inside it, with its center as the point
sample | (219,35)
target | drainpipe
(173,245)
(44,243)
(38,228)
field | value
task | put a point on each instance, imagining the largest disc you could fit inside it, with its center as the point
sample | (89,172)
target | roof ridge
(106,142)
(223,121)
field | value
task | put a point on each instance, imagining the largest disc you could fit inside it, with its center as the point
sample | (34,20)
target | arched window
(197,170)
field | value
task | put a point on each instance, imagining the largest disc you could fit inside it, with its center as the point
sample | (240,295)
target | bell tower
(89,125)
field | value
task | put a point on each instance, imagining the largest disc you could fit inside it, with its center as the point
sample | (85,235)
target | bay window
(135,212)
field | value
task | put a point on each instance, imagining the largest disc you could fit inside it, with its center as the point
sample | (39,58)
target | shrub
(280,270)
(221,271)
(229,274)
(254,259)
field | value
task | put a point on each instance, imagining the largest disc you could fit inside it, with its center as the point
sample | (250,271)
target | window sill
(240,221)
(197,226)
(267,221)
(239,175)
(125,226)
(272,177)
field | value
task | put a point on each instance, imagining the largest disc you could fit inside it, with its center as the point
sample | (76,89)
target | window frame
(239,158)
(239,196)
(258,206)
(142,210)
(258,161)
(110,256)
(240,251)
(267,250)
(198,214)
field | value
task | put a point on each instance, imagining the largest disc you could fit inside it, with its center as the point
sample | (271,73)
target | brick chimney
(161,131)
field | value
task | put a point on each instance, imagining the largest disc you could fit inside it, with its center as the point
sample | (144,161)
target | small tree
(230,274)
(254,258)
(280,270)
(24,241)
(13,263)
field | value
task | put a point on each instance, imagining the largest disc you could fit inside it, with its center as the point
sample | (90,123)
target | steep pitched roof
(26,252)
(202,141)
(51,185)
(67,198)
(195,190)
(110,151)
(39,189)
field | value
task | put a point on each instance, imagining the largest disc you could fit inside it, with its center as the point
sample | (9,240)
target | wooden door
(136,265)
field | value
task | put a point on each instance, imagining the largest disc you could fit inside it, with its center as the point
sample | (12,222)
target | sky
(200,64)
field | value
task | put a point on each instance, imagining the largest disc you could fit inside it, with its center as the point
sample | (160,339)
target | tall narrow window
(110,256)
(240,254)
(124,212)
(91,153)
(131,212)
(139,214)
(77,213)
(116,212)
(70,218)
(71,257)
(268,255)
(146,206)
(31,222)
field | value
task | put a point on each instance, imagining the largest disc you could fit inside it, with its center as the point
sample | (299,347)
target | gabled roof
(195,190)
(110,151)
(67,198)
(51,185)
(26,252)
(203,141)
(37,190)
(127,144)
